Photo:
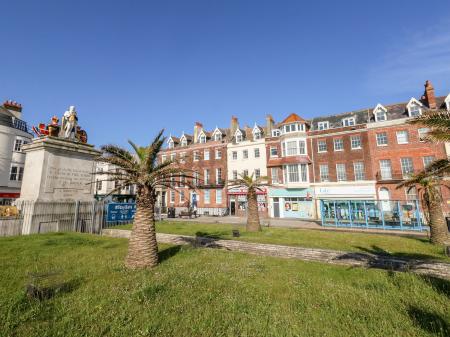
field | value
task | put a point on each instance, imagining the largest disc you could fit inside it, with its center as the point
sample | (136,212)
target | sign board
(356,190)
(121,212)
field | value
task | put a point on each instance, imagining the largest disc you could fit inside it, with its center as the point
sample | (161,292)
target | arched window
(385,196)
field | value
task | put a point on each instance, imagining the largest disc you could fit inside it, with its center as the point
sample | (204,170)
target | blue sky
(134,67)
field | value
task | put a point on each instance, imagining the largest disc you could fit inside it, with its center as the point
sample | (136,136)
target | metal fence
(383,214)
(76,216)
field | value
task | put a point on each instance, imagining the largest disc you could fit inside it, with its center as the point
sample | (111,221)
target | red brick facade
(344,154)
(192,157)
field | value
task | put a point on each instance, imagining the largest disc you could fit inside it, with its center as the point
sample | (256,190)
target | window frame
(319,142)
(338,172)
(346,121)
(324,178)
(321,125)
(386,137)
(359,147)
(341,142)
(404,132)
(361,170)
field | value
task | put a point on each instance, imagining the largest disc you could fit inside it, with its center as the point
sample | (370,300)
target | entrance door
(232,207)
(194,200)
(276,207)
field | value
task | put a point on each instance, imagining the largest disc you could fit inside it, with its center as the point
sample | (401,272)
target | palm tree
(252,185)
(429,186)
(433,176)
(142,170)
(439,123)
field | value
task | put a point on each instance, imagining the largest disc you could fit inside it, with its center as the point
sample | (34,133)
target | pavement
(296,223)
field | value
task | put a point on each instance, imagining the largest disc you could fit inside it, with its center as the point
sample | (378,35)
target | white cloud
(412,60)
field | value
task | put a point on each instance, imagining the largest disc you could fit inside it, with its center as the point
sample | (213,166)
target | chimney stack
(13,107)
(429,95)
(269,125)
(234,126)
(197,129)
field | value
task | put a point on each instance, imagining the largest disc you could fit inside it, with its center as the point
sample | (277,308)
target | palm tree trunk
(143,248)
(438,227)
(253,224)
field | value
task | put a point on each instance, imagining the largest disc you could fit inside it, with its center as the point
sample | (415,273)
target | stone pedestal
(56,171)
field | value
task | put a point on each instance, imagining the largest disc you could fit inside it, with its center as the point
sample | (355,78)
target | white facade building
(13,134)
(246,155)
(104,187)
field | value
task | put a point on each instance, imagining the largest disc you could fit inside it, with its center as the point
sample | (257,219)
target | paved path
(295,223)
(353,259)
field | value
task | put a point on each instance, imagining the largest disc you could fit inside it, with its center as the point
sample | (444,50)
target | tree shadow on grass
(378,251)
(167,253)
(211,235)
(429,321)
(439,285)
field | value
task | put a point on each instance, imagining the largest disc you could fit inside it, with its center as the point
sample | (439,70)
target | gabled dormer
(292,123)
(184,139)
(239,135)
(172,142)
(447,102)
(202,137)
(257,132)
(217,134)
(380,113)
(414,107)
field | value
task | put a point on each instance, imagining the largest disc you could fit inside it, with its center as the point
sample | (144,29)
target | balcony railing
(20,125)
(392,176)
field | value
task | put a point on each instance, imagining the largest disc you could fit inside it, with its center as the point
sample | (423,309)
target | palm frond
(140,152)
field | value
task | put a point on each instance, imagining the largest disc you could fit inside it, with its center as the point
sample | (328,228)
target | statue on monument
(69,128)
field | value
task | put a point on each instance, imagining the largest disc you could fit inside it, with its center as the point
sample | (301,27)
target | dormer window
(276,133)
(380,113)
(238,136)
(183,142)
(171,144)
(350,121)
(217,135)
(325,125)
(414,108)
(202,138)
(256,133)
(293,127)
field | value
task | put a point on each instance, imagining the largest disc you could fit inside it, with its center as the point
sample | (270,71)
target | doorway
(232,206)
(276,207)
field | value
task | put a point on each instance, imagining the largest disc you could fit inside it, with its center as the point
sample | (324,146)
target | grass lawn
(414,247)
(203,292)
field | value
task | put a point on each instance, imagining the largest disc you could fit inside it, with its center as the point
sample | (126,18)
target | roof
(293,117)
(362,116)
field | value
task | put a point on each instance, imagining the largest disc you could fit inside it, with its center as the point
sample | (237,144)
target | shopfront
(344,192)
(291,203)
(237,202)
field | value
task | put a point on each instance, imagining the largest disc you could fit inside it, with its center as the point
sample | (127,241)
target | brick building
(365,154)
(288,162)
(353,159)
(205,154)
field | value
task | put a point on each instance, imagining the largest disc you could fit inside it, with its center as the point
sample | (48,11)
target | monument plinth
(57,185)
(58,169)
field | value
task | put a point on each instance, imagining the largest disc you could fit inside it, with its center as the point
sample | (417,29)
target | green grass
(413,247)
(204,292)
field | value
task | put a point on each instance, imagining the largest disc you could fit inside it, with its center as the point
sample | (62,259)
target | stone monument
(59,168)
